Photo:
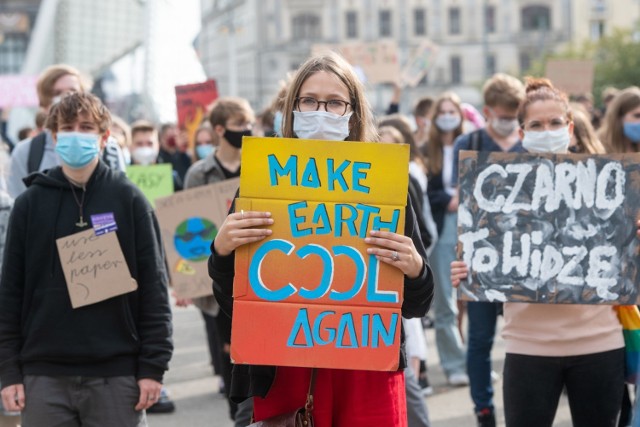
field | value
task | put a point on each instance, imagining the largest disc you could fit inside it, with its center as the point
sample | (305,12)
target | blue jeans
(448,340)
(482,318)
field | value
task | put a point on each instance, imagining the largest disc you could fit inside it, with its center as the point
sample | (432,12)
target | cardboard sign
(573,76)
(18,91)
(189,221)
(549,228)
(310,295)
(153,180)
(192,102)
(378,61)
(94,267)
(419,63)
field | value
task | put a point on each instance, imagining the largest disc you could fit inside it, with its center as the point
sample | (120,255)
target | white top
(447,169)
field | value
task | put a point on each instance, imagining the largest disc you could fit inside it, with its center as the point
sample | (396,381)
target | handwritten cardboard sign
(18,91)
(189,221)
(94,267)
(153,180)
(419,63)
(192,102)
(573,76)
(550,228)
(378,60)
(321,299)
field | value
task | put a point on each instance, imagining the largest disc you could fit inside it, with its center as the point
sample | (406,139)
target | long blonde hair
(435,144)
(611,133)
(361,125)
(586,139)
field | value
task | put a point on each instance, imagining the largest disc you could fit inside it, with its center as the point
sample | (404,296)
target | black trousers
(533,384)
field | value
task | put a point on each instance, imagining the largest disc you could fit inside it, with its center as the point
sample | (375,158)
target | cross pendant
(81,223)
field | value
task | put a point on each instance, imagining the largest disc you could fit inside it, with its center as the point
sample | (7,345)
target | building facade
(249,46)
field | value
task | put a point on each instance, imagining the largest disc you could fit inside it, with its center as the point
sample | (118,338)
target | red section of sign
(192,102)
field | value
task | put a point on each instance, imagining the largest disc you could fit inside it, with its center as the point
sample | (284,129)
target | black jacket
(438,199)
(250,380)
(40,333)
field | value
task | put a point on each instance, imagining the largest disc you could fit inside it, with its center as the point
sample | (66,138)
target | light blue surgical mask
(77,149)
(204,150)
(277,123)
(632,131)
(321,125)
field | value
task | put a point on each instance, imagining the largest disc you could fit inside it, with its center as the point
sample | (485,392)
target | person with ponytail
(552,347)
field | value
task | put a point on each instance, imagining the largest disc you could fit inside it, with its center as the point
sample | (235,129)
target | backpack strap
(36,152)
(476,140)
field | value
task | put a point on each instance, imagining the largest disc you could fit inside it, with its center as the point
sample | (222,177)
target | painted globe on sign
(193,238)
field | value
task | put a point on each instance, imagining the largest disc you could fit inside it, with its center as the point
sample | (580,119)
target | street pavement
(193,387)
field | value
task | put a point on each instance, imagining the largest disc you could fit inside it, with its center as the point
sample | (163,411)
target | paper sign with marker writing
(329,304)
(189,221)
(549,228)
(94,267)
(153,180)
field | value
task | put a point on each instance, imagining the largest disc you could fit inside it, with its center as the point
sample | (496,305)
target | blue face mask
(277,123)
(204,150)
(77,149)
(632,131)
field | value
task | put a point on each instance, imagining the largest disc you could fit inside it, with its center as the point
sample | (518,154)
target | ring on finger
(242,213)
(395,256)
(150,398)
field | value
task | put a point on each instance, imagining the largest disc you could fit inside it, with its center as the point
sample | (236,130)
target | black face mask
(235,137)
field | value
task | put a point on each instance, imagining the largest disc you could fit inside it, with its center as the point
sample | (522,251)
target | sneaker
(459,379)
(495,377)
(164,405)
(486,418)
(425,387)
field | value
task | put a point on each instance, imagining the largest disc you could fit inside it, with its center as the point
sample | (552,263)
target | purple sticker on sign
(103,223)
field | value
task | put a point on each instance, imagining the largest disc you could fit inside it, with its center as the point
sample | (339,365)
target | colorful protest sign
(573,76)
(18,91)
(378,61)
(549,228)
(189,221)
(153,180)
(192,102)
(309,294)
(94,267)
(419,63)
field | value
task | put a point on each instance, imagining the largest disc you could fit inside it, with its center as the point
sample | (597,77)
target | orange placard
(310,295)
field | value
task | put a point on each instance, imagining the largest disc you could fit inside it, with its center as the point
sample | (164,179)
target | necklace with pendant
(80,203)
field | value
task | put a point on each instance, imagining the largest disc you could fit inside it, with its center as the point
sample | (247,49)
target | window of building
(12,53)
(456,70)
(306,26)
(352,24)
(525,62)
(597,30)
(384,18)
(490,19)
(490,65)
(536,18)
(454,20)
(420,22)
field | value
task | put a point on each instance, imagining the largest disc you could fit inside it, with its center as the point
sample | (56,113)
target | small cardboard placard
(545,228)
(573,76)
(189,221)
(419,63)
(328,302)
(94,267)
(154,180)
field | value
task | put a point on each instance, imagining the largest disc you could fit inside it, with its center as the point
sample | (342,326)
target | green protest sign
(154,180)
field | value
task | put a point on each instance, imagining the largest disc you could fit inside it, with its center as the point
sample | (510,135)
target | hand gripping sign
(309,294)
(549,228)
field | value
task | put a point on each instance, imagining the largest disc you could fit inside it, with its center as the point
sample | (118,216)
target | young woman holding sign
(549,346)
(326,101)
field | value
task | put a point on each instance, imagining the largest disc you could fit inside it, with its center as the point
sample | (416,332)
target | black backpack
(36,152)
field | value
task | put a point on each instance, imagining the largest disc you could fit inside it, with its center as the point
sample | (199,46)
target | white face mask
(504,127)
(321,125)
(548,141)
(144,156)
(448,122)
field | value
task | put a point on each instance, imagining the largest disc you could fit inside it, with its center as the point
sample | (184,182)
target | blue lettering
(327,271)
(361,269)
(392,225)
(255,280)
(365,330)
(366,213)
(359,173)
(321,215)
(373,294)
(290,168)
(350,221)
(336,174)
(378,330)
(301,324)
(346,325)
(295,221)
(316,329)
(310,176)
